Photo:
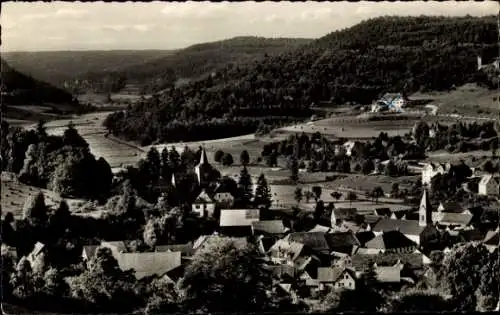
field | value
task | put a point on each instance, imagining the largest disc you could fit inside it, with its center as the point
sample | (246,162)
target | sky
(161,25)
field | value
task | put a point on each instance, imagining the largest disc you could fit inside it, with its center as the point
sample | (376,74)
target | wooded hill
(110,71)
(399,54)
(20,89)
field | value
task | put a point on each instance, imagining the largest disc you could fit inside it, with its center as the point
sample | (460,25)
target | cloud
(115,27)
(142,27)
(71,12)
(34,16)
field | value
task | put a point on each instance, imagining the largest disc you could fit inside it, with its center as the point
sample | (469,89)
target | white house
(489,185)
(432,169)
(203,206)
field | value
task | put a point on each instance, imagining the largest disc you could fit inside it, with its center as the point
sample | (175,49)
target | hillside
(20,89)
(200,59)
(104,71)
(56,67)
(352,65)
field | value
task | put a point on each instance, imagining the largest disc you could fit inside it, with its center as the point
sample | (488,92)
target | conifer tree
(245,186)
(262,193)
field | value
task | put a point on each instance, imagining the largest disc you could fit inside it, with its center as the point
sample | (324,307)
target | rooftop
(239,217)
(149,264)
(408,227)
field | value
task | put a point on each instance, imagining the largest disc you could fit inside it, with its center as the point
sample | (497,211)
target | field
(14,194)
(357,127)
(357,182)
(468,100)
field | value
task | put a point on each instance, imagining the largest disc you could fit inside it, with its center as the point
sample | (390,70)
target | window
(198,206)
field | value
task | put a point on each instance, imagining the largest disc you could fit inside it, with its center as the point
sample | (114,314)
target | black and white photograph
(206,157)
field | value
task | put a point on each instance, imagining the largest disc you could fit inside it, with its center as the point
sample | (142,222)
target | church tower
(203,168)
(425,210)
(173,181)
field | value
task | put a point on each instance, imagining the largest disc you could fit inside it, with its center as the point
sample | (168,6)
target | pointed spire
(203,158)
(173,180)
(425,210)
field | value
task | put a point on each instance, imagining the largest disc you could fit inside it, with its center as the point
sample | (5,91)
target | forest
(18,89)
(353,65)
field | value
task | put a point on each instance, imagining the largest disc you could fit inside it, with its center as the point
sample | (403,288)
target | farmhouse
(149,264)
(238,222)
(489,185)
(203,206)
(391,241)
(336,278)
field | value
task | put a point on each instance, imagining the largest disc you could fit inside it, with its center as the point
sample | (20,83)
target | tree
(391,169)
(41,130)
(245,186)
(72,138)
(377,192)
(319,210)
(55,285)
(418,301)
(22,280)
(227,159)
(244,158)
(174,158)
(308,195)
(35,210)
(219,154)
(395,190)
(163,298)
(487,293)
(294,168)
(262,193)
(368,166)
(104,285)
(221,272)
(165,164)
(351,196)
(298,194)
(152,232)
(317,192)
(420,132)
(462,274)
(272,159)
(494,146)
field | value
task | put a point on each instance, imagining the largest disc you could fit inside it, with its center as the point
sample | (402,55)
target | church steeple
(203,167)
(425,210)
(203,158)
(172,181)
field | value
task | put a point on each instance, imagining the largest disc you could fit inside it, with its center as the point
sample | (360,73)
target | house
(414,260)
(383,212)
(269,227)
(340,260)
(391,241)
(88,252)
(416,230)
(336,278)
(325,243)
(238,222)
(224,199)
(149,264)
(491,240)
(204,206)
(371,220)
(349,145)
(37,251)
(489,185)
(432,169)
(451,214)
(284,251)
(388,274)
(204,240)
(187,250)
(320,228)
(364,236)
(343,214)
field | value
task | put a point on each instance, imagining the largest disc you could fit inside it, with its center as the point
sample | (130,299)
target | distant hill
(156,69)
(386,54)
(56,67)
(20,89)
